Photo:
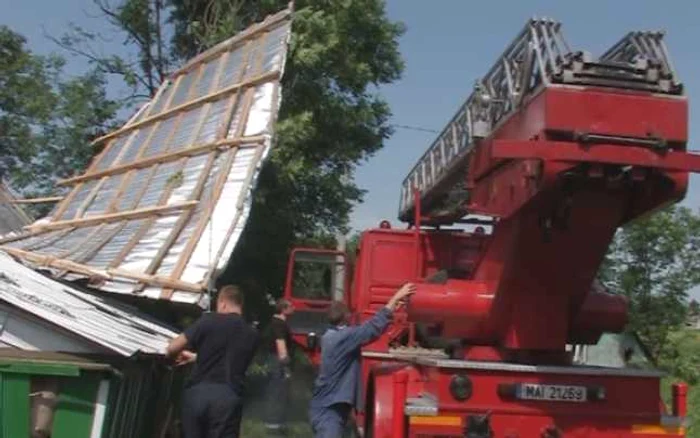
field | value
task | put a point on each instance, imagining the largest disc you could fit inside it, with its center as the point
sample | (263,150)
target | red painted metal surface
(398,403)
(628,408)
(598,153)
(679,393)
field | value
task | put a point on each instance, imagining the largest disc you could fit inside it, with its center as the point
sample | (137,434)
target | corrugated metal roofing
(115,326)
(162,207)
(12,217)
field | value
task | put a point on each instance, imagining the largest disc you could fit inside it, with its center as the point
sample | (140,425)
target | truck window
(315,276)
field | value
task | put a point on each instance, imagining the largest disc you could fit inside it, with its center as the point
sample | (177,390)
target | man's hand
(185,357)
(401,296)
(176,346)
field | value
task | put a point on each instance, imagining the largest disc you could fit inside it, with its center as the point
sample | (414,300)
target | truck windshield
(314,276)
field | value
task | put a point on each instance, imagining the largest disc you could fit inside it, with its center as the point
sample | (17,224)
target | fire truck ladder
(539,57)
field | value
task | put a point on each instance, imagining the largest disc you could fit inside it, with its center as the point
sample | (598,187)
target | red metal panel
(599,153)
(614,112)
(629,400)
(630,405)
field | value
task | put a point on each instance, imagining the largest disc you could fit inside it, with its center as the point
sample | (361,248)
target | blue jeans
(211,410)
(329,422)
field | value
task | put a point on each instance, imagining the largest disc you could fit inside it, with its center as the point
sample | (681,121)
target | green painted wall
(75,407)
(142,397)
(14,405)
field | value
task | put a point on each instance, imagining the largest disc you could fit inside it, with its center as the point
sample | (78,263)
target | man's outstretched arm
(372,329)
(177,347)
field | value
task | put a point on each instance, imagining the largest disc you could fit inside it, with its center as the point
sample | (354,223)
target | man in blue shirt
(337,388)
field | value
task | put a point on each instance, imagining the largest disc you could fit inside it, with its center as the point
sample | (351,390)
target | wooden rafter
(143,229)
(165,158)
(199,186)
(112,217)
(257,80)
(247,101)
(109,274)
(240,205)
(46,200)
(247,35)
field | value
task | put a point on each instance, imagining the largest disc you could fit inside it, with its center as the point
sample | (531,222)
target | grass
(299,397)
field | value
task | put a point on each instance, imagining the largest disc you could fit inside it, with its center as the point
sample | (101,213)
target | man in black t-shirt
(222,344)
(281,352)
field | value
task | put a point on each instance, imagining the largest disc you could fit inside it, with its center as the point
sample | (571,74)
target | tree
(46,121)
(654,262)
(142,25)
(330,120)
(23,103)
(694,308)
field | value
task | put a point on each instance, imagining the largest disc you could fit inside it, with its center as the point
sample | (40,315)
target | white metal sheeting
(114,326)
(161,209)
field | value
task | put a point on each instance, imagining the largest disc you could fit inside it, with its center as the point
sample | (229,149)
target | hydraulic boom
(560,149)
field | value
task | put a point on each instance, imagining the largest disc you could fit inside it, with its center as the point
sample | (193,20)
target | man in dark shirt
(337,389)
(281,353)
(223,345)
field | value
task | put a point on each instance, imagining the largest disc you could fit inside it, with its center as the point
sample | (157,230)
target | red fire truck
(553,151)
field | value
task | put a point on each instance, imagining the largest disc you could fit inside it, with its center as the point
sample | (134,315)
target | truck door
(315,277)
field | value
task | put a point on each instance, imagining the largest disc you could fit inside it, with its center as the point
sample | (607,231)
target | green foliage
(683,356)
(46,121)
(689,343)
(654,262)
(215,21)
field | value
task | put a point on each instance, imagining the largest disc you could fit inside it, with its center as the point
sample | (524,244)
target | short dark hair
(232,294)
(337,313)
(281,305)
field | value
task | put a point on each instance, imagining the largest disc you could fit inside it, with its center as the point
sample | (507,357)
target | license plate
(567,393)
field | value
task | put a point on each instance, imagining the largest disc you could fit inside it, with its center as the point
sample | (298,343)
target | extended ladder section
(539,57)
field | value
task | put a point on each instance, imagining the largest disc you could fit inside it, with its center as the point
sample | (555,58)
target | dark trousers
(211,410)
(277,399)
(329,422)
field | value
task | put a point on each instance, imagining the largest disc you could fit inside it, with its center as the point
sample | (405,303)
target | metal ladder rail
(538,57)
(536,52)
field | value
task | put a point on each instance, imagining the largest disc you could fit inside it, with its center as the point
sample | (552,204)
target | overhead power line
(416,128)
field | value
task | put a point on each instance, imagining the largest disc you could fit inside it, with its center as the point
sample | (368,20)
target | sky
(447,46)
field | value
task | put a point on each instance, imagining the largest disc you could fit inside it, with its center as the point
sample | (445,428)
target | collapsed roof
(160,210)
(109,326)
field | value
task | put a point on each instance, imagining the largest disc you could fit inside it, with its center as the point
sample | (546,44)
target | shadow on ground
(300,395)
(298,410)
